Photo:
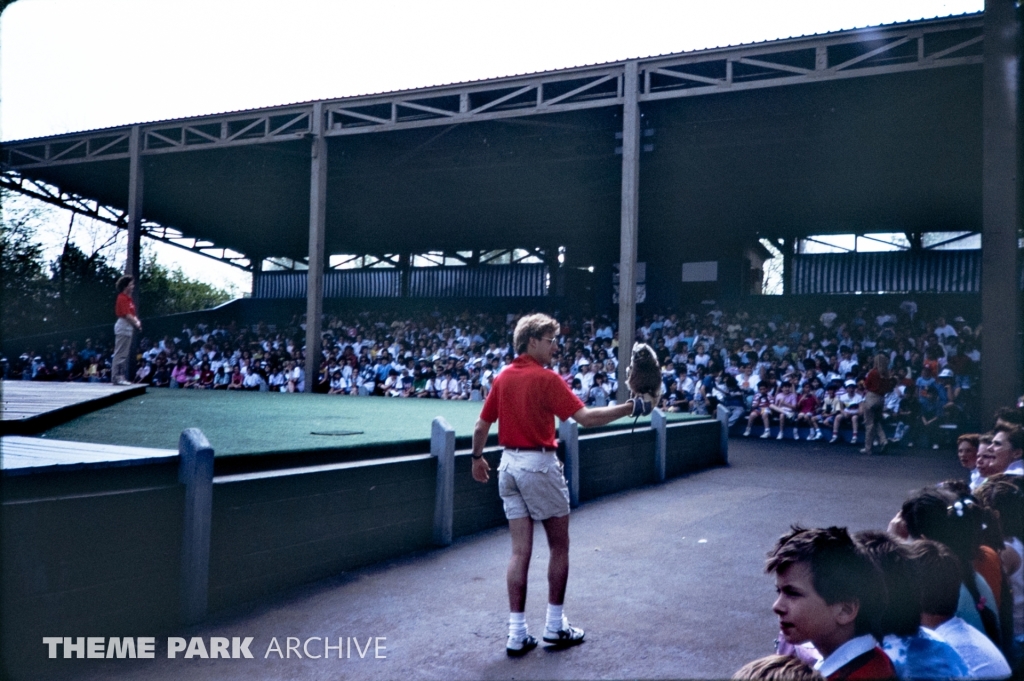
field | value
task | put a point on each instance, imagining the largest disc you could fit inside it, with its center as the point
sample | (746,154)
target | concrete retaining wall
(137,550)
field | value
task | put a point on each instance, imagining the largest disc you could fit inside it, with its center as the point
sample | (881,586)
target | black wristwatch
(477,456)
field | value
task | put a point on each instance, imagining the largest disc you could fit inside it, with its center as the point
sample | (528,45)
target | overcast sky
(72,65)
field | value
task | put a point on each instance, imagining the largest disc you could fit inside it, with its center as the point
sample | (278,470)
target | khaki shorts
(531,484)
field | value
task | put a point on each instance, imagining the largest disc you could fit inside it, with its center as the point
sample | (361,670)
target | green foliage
(77,289)
(83,288)
(24,287)
(164,291)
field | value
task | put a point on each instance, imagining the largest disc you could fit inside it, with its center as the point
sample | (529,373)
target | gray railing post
(569,434)
(442,446)
(722,414)
(660,443)
(195,472)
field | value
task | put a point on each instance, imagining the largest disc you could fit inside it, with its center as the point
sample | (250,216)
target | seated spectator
(1004,495)
(205,377)
(733,399)
(1002,454)
(956,521)
(915,652)
(221,379)
(831,595)
(850,400)
(806,411)
(967,455)
(938,573)
(760,409)
(237,379)
(181,374)
(597,396)
(144,375)
(784,406)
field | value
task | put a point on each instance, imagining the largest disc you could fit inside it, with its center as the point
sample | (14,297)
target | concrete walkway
(667,580)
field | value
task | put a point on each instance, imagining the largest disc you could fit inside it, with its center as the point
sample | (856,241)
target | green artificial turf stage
(256,423)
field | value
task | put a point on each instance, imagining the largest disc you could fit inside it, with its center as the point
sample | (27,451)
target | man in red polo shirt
(525,399)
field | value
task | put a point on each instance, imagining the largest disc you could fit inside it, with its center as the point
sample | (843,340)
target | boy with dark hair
(831,595)
(938,573)
(915,652)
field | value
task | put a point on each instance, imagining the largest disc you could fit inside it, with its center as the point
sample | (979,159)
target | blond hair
(532,326)
(777,668)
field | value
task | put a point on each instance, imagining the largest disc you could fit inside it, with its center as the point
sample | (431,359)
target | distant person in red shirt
(127,323)
(524,400)
(877,383)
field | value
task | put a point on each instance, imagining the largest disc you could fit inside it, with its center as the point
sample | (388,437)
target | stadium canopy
(673,161)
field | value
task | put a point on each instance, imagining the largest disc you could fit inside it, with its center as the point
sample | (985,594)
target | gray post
(256,262)
(658,423)
(135,177)
(569,434)
(442,446)
(722,414)
(195,472)
(1000,296)
(629,220)
(132,264)
(317,237)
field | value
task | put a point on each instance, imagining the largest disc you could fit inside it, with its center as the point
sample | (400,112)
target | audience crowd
(939,594)
(811,374)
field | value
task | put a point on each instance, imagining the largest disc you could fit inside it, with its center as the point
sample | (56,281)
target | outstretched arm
(589,417)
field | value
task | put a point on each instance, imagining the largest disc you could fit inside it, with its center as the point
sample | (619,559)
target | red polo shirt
(124,306)
(524,400)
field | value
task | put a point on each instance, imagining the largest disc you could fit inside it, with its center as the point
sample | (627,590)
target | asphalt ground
(667,580)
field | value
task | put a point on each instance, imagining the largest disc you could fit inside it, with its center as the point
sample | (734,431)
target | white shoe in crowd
(746,433)
(766,434)
(796,434)
(779,436)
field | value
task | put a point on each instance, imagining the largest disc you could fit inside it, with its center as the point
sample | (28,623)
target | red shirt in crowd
(878,385)
(124,306)
(524,400)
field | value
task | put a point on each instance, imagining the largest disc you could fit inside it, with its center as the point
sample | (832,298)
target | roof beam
(773,64)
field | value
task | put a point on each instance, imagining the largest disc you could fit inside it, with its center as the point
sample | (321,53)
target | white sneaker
(564,637)
(796,434)
(779,436)
(766,434)
(746,433)
(517,646)
(835,438)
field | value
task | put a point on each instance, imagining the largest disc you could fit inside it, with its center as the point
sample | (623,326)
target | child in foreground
(776,668)
(831,595)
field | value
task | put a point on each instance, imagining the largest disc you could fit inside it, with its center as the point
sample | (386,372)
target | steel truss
(505,256)
(119,218)
(846,54)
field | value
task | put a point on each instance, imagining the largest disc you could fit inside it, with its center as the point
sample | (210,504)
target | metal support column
(132,263)
(787,266)
(257,272)
(317,234)
(1000,295)
(629,220)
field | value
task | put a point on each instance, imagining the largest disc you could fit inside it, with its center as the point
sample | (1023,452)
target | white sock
(554,617)
(517,625)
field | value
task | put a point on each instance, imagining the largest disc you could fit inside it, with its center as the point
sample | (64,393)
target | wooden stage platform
(31,407)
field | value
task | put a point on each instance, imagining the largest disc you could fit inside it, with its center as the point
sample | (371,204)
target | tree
(83,288)
(164,291)
(24,287)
